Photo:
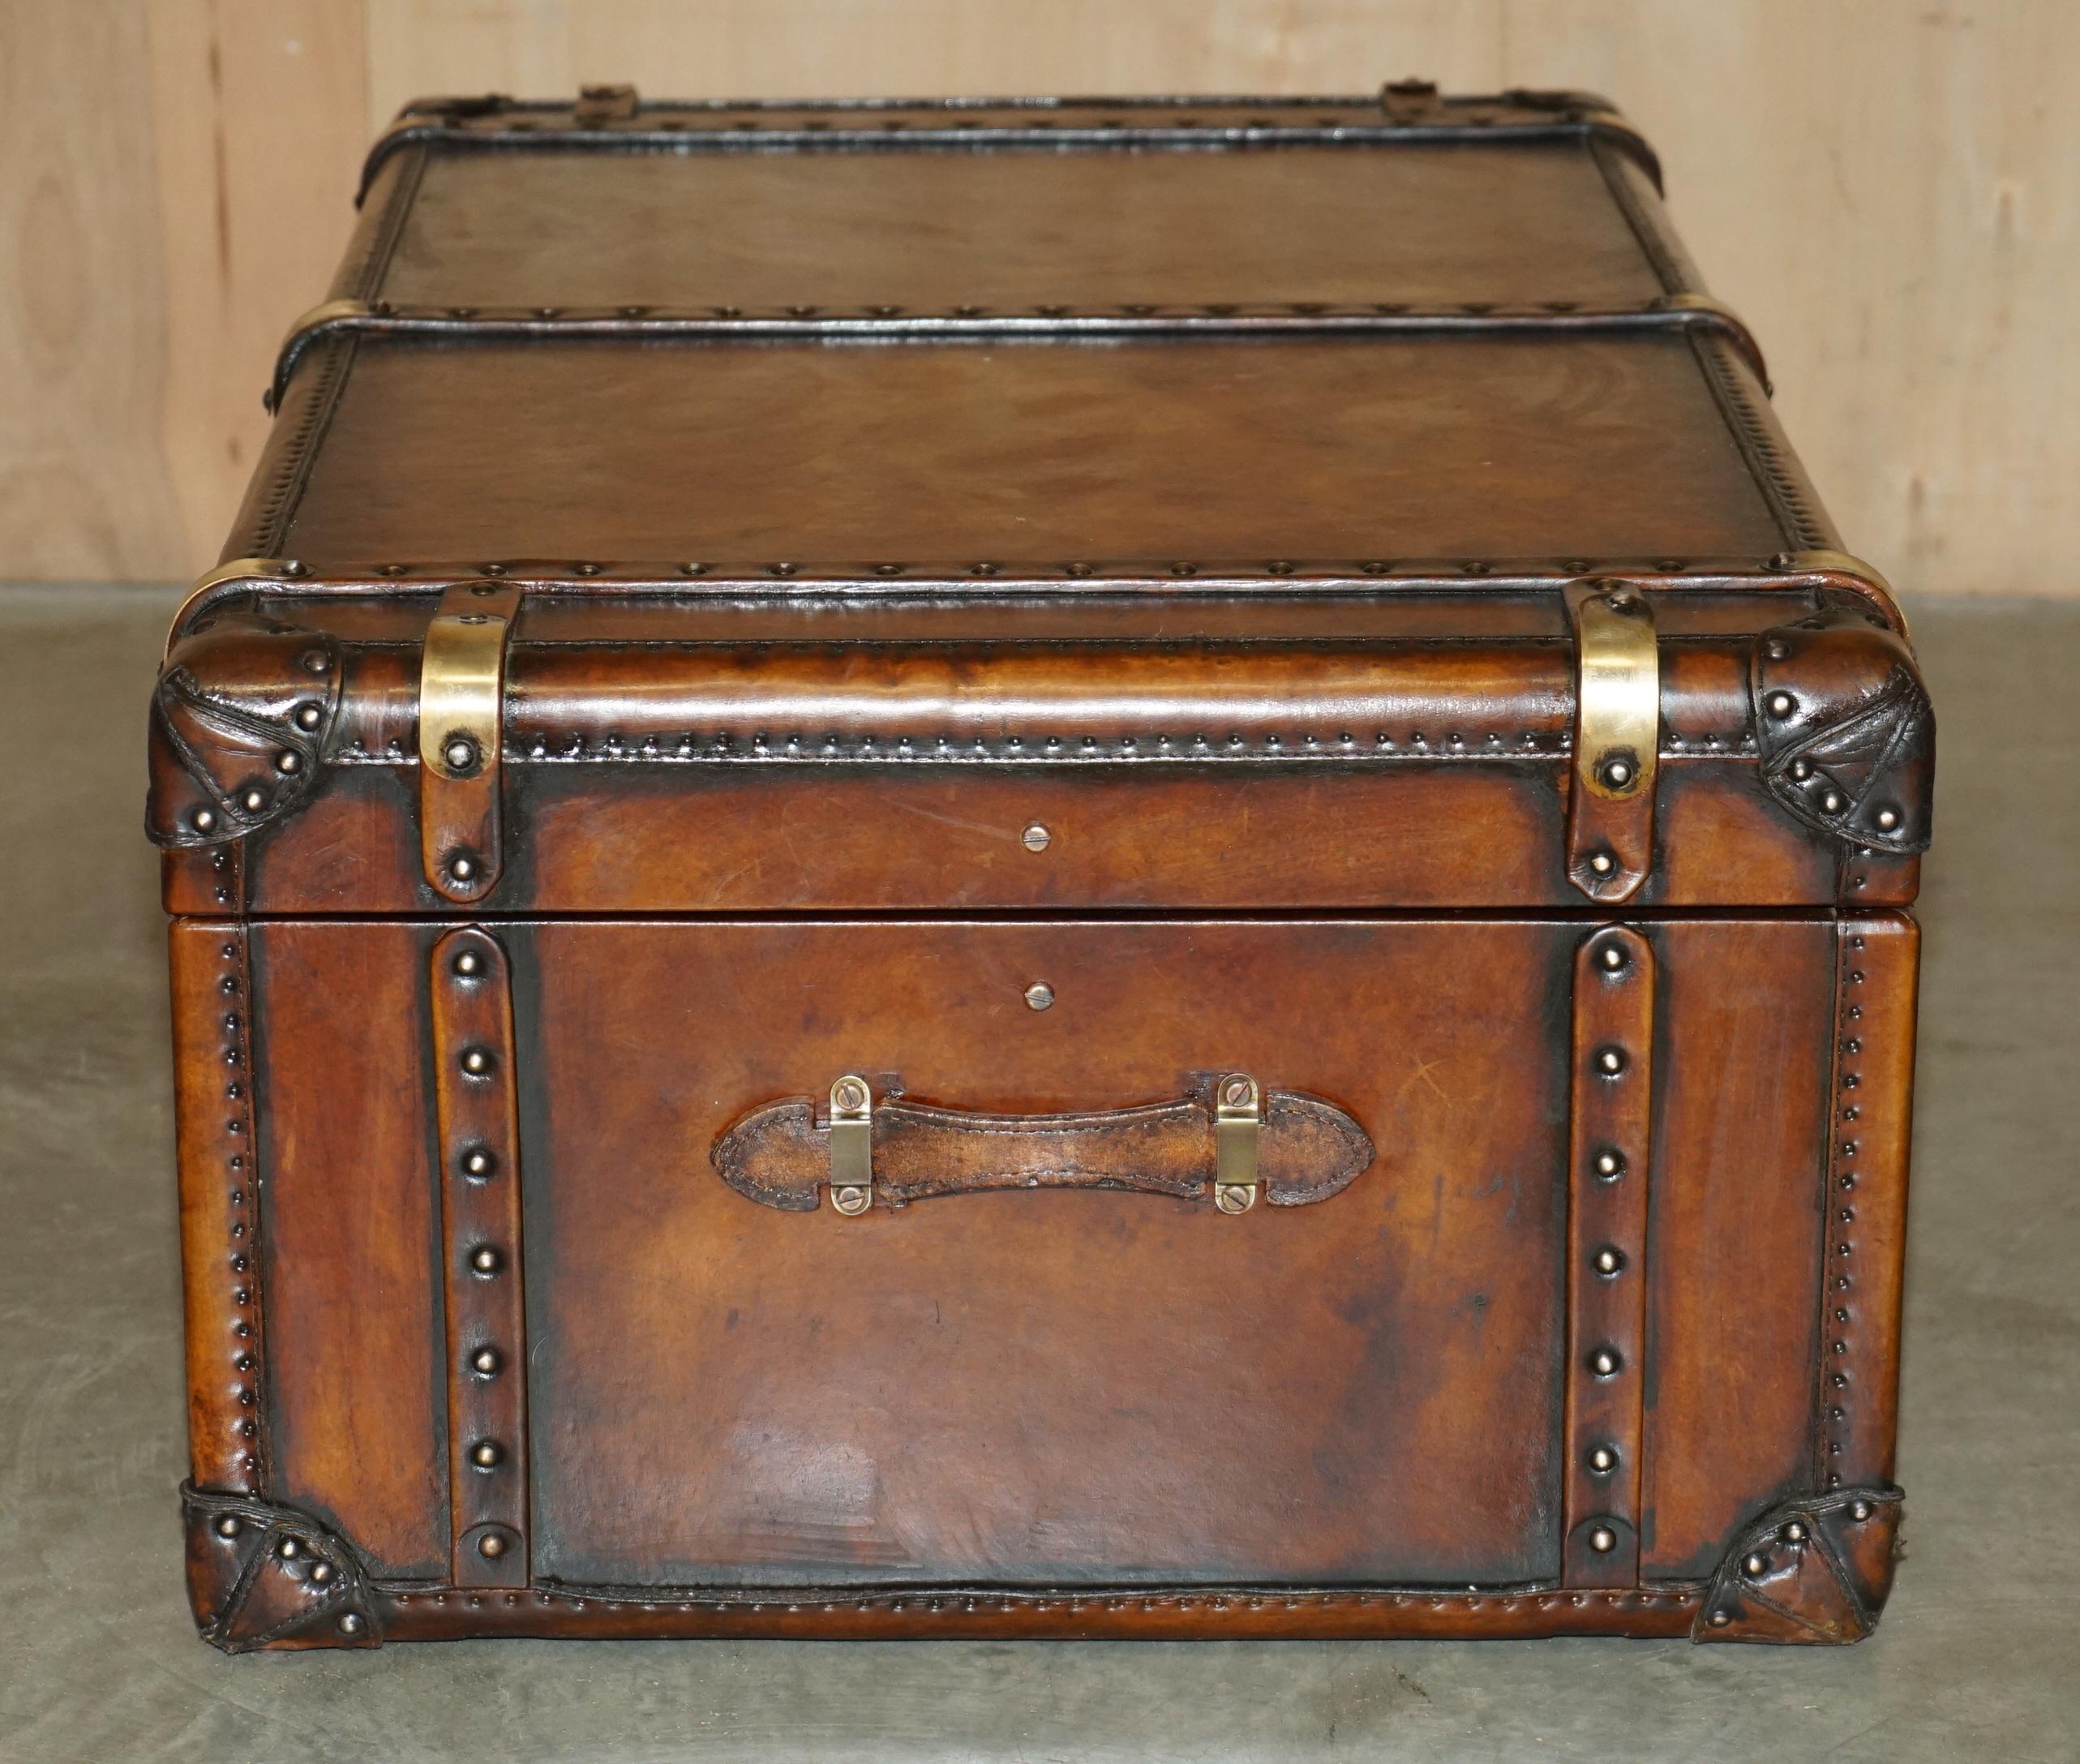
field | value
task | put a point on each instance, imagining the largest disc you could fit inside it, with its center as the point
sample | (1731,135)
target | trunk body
(1087,867)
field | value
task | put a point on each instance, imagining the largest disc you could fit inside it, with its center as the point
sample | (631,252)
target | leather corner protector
(1844,730)
(242,720)
(1814,1572)
(262,1576)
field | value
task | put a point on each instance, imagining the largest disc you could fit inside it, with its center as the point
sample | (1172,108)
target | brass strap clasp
(1237,1117)
(1617,740)
(461,738)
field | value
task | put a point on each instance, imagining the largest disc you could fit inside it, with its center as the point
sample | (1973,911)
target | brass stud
(1780,704)
(316,662)
(1610,1061)
(203,820)
(469,964)
(288,1549)
(1603,1540)
(321,1572)
(1794,1532)
(228,1525)
(1756,1565)
(288,760)
(478,1165)
(1606,1362)
(477,1062)
(1833,803)
(1609,1164)
(485,1259)
(1610,1261)
(351,1625)
(1859,1510)
(1721,1618)
(461,866)
(1616,774)
(487,1454)
(491,1546)
(1602,1460)
(485,1363)
(1039,995)
(1613,957)
(1887,819)
(1602,863)
(254,800)
(1036,838)
(459,754)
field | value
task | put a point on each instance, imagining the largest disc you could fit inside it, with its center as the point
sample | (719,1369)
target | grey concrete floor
(1979,1657)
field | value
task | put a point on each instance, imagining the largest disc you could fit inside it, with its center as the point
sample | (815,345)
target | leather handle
(782,1154)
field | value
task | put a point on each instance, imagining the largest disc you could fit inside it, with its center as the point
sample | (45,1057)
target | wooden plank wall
(1888,189)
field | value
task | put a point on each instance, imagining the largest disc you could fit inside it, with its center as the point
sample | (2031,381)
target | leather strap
(779,1154)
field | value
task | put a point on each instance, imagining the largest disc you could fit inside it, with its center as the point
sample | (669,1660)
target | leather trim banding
(1404,111)
(475,1083)
(381,319)
(1608,1146)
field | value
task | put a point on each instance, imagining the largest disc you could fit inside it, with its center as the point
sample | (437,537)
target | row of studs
(726,745)
(1796,513)
(1838,1273)
(1133,309)
(1626,1598)
(242,1252)
(1611,1159)
(1416,568)
(480,1212)
(737,123)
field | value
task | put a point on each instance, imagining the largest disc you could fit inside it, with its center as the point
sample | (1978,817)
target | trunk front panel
(1039,1387)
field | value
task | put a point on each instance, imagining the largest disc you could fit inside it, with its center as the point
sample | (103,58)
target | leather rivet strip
(461,738)
(1613,1085)
(220,1211)
(1616,743)
(1876,960)
(480,1213)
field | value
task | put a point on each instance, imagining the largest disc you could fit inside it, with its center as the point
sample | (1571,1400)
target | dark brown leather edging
(779,1154)
(1814,1570)
(976,324)
(1414,112)
(265,1576)
(241,721)
(474,1081)
(1844,728)
(1610,1136)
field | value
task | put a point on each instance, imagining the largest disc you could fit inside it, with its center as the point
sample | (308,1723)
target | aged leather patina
(1128,868)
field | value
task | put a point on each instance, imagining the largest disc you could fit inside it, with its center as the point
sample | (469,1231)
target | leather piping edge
(436,122)
(1682,312)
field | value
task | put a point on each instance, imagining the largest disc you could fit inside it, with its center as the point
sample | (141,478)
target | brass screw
(1036,838)
(1039,995)
(1235,1091)
(851,1202)
(851,1095)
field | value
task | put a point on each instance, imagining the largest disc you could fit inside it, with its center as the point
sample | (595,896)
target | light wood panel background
(1887,189)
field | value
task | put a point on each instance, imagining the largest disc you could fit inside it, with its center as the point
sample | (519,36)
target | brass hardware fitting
(1238,1116)
(851,1146)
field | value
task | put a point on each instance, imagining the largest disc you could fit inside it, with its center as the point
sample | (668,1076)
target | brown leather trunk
(1103,868)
